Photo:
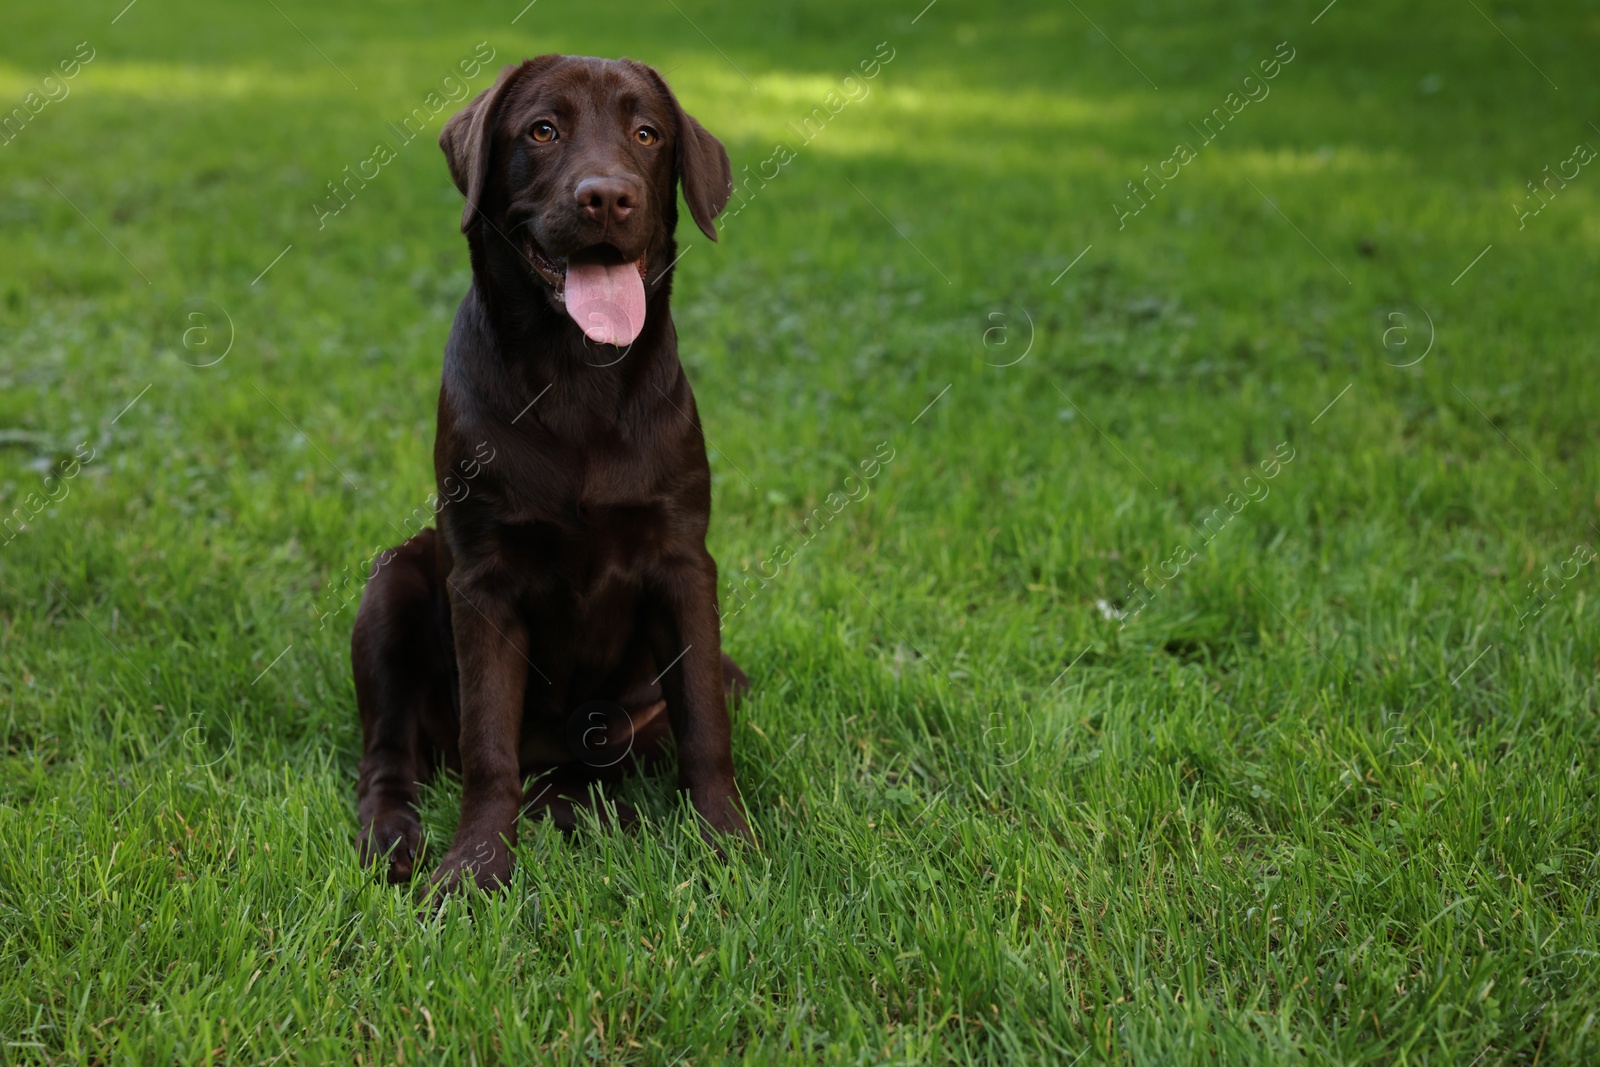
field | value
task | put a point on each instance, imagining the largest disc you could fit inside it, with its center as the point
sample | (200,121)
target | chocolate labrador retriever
(564,613)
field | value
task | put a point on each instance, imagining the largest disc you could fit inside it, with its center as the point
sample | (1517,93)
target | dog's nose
(606,199)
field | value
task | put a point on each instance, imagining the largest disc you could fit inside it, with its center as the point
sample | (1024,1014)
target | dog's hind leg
(403,664)
(560,793)
(604,748)
(735,683)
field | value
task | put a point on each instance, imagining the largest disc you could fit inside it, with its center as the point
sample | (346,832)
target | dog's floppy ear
(468,136)
(704,171)
(702,162)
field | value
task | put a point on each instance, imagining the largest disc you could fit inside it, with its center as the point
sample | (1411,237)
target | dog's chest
(583,515)
(609,522)
(607,554)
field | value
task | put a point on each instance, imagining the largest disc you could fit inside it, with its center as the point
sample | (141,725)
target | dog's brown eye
(647,136)
(543,132)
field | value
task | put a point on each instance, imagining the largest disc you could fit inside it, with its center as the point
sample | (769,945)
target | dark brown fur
(524,639)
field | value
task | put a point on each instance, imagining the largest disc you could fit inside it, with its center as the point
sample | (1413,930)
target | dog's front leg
(696,702)
(492,660)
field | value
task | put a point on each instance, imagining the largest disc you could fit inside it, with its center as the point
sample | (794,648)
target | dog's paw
(393,837)
(722,821)
(485,865)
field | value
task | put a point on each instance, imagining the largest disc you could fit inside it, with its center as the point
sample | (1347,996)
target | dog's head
(574,163)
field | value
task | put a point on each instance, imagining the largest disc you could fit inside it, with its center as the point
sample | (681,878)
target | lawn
(1207,674)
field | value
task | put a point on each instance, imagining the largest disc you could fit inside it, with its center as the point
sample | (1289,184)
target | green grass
(1325,799)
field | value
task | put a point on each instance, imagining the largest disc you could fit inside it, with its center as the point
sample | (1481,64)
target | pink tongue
(606,300)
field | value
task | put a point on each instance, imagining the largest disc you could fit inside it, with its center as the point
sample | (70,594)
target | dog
(561,620)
